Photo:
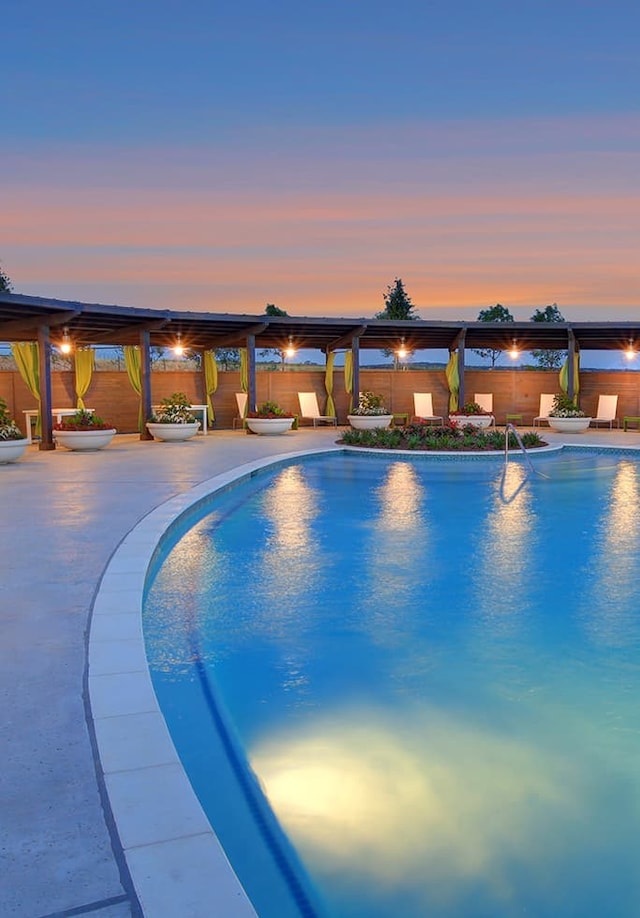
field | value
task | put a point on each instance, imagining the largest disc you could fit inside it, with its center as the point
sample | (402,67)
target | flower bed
(444,438)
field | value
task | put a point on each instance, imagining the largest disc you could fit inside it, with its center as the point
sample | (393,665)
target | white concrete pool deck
(89,773)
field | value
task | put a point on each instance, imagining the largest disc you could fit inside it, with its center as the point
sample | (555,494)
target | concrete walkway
(63,516)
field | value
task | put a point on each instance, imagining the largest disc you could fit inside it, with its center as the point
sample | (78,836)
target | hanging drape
(25,354)
(210,380)
(563,377)
(84,359)
(348,377)
(133,364)
(330,410)
(453,380)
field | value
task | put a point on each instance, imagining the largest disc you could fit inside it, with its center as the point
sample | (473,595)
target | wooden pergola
(28,318)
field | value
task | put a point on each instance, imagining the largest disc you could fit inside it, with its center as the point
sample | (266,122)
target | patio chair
(309,409)
(606,414)
(485,400)
(546,404)
(241,400)
(423,407)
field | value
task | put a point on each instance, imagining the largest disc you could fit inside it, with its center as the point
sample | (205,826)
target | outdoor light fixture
(178,349)
(290,350)
(630,353)
(514,353)
(65,344)
(402,351)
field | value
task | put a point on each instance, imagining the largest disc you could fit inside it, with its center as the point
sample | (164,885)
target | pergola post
(44,371)
(461,397)
(145,382)
(571,362)
(355,350)
(252,391)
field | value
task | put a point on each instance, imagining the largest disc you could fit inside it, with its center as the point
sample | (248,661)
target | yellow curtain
(133,364)
(84,360)
(210,380)
(25,354)
(348,377)
(330,410)
(244,370)
(453,380)
(563,377)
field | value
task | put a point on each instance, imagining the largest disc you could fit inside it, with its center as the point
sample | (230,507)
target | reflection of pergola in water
(26,318)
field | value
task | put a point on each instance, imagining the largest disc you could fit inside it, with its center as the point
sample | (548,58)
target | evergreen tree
(5,283)
(548,359)
(397,305)
(497,313)
(274,352)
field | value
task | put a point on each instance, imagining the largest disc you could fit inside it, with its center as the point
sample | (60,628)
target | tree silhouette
(548,359)
(497,313)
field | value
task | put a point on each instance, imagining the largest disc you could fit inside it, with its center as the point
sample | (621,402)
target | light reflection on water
(436,681)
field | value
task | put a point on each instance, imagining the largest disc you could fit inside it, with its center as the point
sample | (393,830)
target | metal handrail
(509,426)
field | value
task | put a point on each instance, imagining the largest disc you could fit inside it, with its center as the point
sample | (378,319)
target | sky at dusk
(222,155)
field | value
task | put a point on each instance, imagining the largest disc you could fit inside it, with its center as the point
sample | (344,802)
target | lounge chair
(309,409)
(423,407)
(240,418)
(546,404)
(606,414)
(485,400)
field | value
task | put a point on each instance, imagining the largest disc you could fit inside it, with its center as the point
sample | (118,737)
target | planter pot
(269,426)
(10,450)
(569,425)
(476,420)
(173,433)
(84,439)
(369,421)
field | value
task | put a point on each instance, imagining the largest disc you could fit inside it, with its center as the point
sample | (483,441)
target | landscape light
(65,345)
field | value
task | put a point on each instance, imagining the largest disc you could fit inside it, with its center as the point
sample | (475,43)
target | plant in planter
(12,441)
(83,430)
(173,420)
(370,413)
(565,416)
(472,414)
(270,419)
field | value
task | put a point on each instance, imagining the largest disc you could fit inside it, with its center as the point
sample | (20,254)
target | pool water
(430,669)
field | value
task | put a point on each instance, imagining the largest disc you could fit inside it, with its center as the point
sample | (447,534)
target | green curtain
(453,380)
(25,354)
(330,410)
(244,370)
(133,364)
(563,377)
(84,360)
(348,377)
(210,380)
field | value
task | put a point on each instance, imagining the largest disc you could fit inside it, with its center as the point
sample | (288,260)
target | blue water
(432,672)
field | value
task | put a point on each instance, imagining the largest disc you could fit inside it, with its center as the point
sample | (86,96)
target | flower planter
(84,439)
(569,425)
(369,421)
(173,433)
(10,450)
(269,426)
(476,420)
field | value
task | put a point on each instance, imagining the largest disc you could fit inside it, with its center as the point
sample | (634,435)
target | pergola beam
(116,337)
(240,337)
(33,324)
(346,339)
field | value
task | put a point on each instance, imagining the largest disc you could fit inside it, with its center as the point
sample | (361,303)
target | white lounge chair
(241,400)
(485,400)
(606,414)
(546,404)
(423,407)
(309,409)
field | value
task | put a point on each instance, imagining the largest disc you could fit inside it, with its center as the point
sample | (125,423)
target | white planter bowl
(269,426)
(476,420)
(173,433)
(84,439)
(569,425)
(369,421)
(10,450)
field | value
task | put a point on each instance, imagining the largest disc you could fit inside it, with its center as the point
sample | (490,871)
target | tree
(397,305)
(5,283)
(274,352)
(228,357)
(548,359)
(497,313)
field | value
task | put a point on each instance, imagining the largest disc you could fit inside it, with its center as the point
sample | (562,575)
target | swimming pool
(433,671)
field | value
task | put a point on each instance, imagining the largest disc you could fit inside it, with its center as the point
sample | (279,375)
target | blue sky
(221,156)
